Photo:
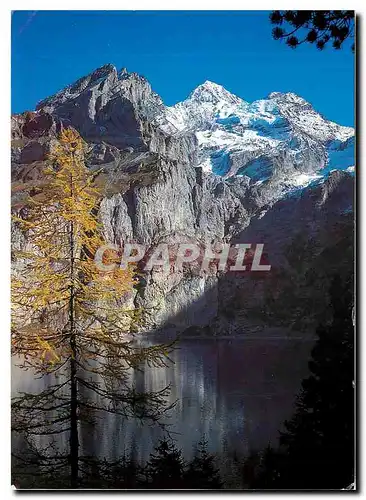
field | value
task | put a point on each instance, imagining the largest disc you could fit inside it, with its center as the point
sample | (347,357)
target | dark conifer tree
(201,472)
(317,448)
(319,27)
(267,469)
(126,474)
(165,468)
(123,473)
(320,436)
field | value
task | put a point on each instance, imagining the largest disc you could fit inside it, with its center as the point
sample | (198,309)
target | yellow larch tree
(69,318)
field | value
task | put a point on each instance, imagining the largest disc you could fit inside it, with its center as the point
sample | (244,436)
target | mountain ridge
(233,135)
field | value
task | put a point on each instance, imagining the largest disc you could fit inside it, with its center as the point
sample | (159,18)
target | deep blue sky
(175,51)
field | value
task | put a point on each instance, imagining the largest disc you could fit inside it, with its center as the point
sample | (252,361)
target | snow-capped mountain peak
(206,103)
(213,93)
(281,140)
(289,97)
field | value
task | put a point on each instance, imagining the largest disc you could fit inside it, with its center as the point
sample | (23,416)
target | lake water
(235,393)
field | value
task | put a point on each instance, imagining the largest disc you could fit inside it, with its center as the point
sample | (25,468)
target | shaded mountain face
(211,168)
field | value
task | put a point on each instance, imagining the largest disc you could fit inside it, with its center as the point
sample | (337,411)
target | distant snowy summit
(281,133)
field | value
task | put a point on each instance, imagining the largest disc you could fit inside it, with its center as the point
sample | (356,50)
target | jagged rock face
(309,239)
(107,106)
(212,168)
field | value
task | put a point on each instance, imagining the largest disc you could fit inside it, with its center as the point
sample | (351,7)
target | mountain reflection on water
(236,393)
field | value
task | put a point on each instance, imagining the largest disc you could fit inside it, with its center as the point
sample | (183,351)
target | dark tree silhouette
(124,473)
(317,447)
(314,26)
(201,471)
(165,468)
(263,470)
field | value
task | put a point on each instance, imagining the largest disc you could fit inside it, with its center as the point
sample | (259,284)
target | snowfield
(280,139)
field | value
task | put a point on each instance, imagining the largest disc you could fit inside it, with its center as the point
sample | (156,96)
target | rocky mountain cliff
(211,168)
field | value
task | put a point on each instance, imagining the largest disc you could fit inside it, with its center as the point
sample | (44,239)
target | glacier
(279,140)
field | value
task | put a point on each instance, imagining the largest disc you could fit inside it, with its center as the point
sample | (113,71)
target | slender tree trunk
(74,438)
(74,433)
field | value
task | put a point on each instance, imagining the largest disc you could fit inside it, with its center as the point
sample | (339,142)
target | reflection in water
(236,393)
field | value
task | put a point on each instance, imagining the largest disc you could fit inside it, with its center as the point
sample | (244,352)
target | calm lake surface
(236,393)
